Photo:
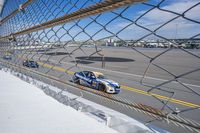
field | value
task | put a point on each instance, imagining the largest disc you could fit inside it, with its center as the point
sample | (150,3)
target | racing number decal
(94,84)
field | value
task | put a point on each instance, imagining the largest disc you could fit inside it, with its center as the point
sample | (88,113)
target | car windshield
(84,73)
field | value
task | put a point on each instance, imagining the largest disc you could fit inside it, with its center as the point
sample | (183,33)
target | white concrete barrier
(111,118)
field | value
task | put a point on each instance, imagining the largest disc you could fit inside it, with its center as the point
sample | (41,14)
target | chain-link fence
(150,47)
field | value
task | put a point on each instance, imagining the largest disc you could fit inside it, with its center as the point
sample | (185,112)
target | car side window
(84,73)
(92,75)
(88,75)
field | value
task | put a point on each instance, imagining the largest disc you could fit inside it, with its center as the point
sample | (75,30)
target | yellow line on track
(180,102)
(60,69)
(161,97)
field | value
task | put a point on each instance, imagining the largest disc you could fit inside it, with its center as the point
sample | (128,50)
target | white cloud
(180,6)
(157,15)
(156,18)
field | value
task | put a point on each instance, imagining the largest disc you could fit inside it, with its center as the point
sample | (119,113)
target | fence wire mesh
(150,47)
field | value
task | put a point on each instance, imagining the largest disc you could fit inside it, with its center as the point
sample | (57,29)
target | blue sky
(179,28)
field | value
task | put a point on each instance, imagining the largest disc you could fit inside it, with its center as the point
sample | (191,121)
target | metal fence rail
(73,35)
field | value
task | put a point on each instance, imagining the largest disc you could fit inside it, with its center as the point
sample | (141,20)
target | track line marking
(180,102)
(130,74)
(161,97)
(134,75)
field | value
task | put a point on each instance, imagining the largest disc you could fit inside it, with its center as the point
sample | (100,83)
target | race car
(96,80)
(7,56)
(30,63)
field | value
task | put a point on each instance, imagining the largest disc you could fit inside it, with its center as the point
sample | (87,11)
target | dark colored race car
(7,56)
(96,80)
(30,63)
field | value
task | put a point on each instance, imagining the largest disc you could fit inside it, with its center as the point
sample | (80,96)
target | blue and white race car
(96,80)
(30,63)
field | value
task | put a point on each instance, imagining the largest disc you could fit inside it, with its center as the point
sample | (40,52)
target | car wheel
(102,87)
(77,81)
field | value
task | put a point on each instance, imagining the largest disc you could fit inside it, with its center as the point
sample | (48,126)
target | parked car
(30,63)
(96,80)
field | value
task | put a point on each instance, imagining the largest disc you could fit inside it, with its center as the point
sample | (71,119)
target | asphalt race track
(127,66)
